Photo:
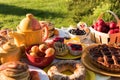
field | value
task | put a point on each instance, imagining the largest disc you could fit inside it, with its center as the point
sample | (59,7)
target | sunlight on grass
(13,11)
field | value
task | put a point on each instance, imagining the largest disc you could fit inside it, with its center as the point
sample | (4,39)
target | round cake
(77,69)
(106,57)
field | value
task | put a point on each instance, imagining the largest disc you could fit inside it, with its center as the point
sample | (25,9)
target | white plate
(42,74)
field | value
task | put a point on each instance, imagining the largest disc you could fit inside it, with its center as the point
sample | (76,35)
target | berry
(76,47)
(77,31)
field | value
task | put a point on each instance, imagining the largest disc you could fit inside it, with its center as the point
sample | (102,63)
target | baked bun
(9,52)
(14,71)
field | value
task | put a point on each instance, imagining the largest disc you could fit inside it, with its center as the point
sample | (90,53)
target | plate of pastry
(67,47)
(67,71)
(103,59)
(68,51)
(42,74)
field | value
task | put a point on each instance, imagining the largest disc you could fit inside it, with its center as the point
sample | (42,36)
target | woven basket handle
(116,17)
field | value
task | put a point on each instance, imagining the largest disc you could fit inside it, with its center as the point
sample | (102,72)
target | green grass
(13,11)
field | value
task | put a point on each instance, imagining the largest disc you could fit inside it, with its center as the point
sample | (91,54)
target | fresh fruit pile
(75,46)
(41,50)
(77,31)
(106,27)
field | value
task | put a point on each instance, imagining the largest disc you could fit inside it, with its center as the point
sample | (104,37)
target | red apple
(111,31)
(116,30)
(105,29)
(101,22)
(99,28)
(95,25)
(112,25)
(107,23)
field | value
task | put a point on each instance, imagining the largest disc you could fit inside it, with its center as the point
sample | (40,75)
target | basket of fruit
(105,32)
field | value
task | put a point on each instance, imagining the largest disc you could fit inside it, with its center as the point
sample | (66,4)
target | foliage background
(89,10)
(59,12)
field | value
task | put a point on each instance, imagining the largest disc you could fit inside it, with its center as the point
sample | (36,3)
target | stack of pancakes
(14,71)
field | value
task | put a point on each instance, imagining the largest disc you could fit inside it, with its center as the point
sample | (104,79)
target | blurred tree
(89,10)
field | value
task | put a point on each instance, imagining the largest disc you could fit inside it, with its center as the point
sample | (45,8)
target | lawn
(13,11)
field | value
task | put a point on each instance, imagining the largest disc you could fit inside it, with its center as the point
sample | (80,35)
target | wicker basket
(105,38)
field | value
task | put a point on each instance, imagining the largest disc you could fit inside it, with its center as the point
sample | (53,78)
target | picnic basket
(104,38)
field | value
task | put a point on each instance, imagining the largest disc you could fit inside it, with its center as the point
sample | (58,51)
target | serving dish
(89,74)
(86,62)
(42,74)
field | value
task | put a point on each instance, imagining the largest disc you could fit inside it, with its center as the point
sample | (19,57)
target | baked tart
(75,48)
(105,56)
